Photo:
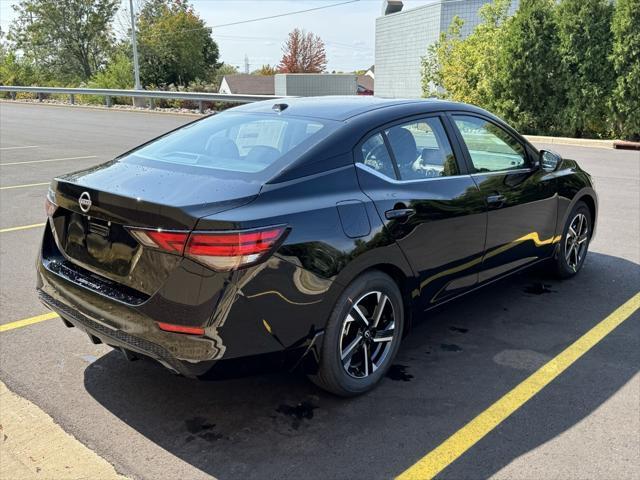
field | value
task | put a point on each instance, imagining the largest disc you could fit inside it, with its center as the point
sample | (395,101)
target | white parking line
(48,160)
(25,186)
(19,148)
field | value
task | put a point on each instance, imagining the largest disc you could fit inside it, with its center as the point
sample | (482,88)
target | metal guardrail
(108,94)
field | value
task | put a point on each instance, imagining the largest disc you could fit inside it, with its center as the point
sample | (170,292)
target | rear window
(235,142)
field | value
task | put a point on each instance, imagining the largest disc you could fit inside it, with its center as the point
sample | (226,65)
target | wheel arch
(402,275)
(590,198)
(593,209)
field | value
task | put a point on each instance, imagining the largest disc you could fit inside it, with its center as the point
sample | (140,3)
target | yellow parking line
(27,321)
(47,160)
(23,227)
(25,185)
(461,441)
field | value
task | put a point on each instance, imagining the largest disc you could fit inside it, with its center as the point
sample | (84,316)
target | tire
(574,245)
(342,369)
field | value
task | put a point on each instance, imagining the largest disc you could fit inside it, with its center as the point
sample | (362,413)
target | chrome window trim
(504,172)
(368,169)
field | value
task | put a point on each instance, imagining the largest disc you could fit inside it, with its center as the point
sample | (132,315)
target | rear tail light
(221,250)
(173,242)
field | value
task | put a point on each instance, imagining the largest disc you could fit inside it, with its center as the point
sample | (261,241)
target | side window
(422,150)
(491,148)
(376,156)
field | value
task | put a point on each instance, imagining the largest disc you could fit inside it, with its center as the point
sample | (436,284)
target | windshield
(234,142)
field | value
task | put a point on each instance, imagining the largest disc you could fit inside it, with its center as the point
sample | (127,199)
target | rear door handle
(496,200)
(398,213)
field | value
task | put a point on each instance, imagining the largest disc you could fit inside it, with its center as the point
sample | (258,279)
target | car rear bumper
(120,339)
(277,309)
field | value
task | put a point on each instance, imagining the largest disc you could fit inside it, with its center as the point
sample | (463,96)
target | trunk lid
(126,194)
(156,196)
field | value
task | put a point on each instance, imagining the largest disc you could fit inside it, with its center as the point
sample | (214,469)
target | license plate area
(101,244)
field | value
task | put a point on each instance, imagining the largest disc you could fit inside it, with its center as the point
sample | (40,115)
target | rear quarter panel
(298,287)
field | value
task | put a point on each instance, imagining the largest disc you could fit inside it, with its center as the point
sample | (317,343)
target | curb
(580,142)
(626,145)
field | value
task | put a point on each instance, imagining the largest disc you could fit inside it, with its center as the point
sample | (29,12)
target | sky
(347,30)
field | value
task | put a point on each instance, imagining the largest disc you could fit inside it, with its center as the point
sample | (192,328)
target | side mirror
(549,161)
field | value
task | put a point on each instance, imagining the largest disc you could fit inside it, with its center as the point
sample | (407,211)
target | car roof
(340,108)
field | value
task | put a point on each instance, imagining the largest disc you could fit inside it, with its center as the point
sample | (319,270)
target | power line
(284,14)
(207,27)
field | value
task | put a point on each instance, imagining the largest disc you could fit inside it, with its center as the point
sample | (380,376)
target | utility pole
(136,67)
(246,63)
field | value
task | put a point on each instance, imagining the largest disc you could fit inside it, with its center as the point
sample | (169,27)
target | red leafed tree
(303,53)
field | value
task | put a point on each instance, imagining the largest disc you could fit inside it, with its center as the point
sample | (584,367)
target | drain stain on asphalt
(538,288)
(450,347)
(459,329)
(399,373)
(198,426)
(298,413)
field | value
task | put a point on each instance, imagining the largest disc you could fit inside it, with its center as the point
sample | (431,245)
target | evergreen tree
(585,46)
(625,100)
(529,90)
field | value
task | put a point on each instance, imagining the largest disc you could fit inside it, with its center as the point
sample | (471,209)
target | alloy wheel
(367,334)
(575,244)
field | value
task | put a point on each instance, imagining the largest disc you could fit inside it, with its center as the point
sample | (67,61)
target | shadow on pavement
(450,368)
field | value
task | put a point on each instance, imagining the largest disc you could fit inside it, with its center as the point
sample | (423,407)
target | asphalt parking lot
(464,357)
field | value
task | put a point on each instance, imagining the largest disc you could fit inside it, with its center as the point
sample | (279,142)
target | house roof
(251,84)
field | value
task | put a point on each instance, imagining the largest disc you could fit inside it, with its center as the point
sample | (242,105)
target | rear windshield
(235,142)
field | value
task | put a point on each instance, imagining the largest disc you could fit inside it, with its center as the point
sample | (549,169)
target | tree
(175,45)
(585,47)
(625,100)
(303,53)
(14,70)
(117,74)
(529,91)
(465,69)
(70,39)
(265,70)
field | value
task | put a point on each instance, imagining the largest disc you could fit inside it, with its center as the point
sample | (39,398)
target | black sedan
(309,232)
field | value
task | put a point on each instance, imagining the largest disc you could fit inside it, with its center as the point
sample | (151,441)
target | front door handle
(496,201)
(399,213)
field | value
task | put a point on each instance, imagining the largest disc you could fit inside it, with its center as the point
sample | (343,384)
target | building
(246,84)
(296,84)
(403,36)
(315,84)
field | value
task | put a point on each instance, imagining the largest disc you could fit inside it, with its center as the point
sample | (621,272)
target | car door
(521,197)
(427,201)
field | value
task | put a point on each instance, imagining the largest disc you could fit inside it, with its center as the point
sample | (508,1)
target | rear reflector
(221,250)
(50,206)
(169,327)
